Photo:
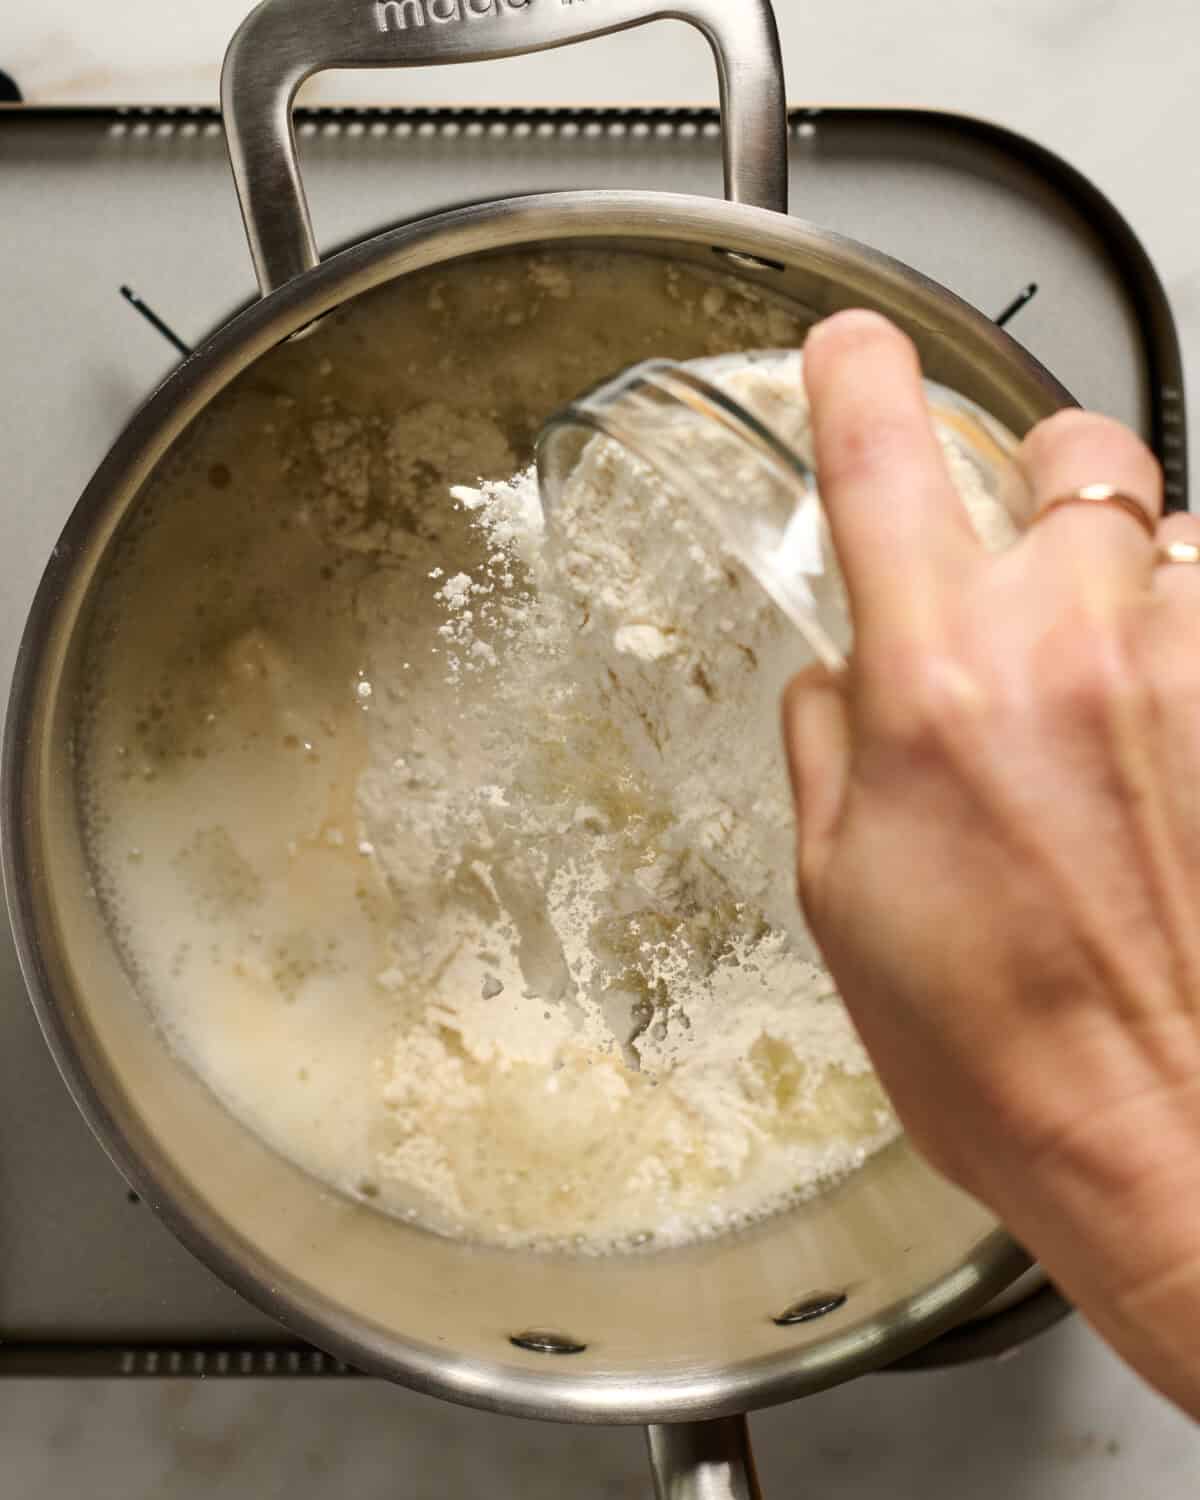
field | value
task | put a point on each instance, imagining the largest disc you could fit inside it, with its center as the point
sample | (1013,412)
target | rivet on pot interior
(750,262)
(810,1308)
(542,1341)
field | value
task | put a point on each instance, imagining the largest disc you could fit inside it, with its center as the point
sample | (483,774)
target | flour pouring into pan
(452,851)
(632,1037)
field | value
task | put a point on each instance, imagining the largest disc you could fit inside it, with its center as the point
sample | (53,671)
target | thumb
(816,736)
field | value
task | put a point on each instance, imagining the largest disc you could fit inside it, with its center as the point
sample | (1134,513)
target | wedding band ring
(1101,494)
(1177,552)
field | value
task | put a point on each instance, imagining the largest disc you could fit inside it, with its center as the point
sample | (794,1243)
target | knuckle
(1094,677)
(935,705)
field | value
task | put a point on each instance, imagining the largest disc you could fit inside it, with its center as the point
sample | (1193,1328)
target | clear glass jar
(752,478)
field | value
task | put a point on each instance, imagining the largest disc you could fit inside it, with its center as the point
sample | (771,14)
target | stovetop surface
(94,200)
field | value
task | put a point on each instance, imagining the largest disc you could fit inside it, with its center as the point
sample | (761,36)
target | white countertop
(1110,85)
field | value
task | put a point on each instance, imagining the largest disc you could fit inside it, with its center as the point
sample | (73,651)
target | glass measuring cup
(750,474)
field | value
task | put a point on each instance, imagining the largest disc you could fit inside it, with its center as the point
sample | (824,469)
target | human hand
(998,811)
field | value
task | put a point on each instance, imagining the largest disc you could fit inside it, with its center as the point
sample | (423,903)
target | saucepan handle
(283,42)
(703,1461)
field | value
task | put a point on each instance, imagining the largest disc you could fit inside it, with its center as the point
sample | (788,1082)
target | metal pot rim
(535,221)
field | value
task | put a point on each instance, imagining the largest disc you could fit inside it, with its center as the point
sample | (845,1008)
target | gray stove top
(94,200)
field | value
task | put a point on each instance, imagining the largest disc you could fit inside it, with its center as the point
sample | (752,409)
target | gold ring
(1101,494)
(1177,552)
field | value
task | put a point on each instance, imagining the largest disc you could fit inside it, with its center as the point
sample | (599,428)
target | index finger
(900,530)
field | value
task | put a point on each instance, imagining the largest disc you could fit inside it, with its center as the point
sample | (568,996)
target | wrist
(1099,1177)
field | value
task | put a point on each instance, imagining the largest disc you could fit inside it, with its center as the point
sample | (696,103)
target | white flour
(629,1037)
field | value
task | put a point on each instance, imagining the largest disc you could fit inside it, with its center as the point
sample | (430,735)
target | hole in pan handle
(283,42)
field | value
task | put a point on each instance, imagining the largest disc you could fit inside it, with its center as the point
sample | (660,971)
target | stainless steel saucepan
(685,1341)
